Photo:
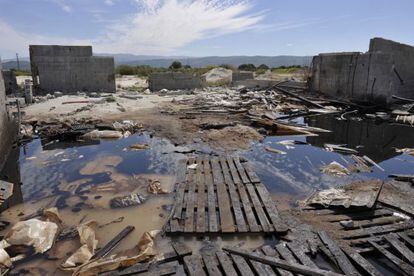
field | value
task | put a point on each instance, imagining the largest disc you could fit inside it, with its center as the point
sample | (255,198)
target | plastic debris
(409,151)
(127,201)
(137,147)
(87,250)
(336,169)
(270,149)
(192,167)
(34,232)
(146,252)
(103,134)
(154,187)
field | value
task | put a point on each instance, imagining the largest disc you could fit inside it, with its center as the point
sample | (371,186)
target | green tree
(176,65)
(247,67)
(263,67)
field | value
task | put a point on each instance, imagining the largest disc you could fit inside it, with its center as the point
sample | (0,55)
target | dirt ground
(156,113)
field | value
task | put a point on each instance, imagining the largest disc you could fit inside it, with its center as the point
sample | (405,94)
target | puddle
(297,173)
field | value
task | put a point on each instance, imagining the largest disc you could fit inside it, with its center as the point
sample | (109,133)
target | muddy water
(81,178)
(297,173)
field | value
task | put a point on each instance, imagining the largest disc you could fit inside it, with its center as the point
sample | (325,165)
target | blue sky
(204,27)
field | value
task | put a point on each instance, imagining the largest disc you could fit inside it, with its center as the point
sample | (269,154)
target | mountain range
(165,61)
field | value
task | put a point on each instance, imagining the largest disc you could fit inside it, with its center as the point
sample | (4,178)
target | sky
(204,27)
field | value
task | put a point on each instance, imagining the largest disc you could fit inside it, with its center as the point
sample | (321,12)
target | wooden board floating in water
(222,195)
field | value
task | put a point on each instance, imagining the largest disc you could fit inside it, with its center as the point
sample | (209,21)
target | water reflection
(376,140)
(298,172)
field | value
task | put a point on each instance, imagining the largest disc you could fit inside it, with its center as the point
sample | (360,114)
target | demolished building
(174,81)
(387,69)
(70,69)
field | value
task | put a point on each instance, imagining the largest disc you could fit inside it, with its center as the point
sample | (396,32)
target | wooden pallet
(222,195)
(367,223)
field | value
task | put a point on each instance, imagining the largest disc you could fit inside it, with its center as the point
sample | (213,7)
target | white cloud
(160,26)
(63,5)
(18,42)
(109,2)
(157,27)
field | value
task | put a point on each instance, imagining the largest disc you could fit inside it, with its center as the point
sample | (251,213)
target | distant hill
(24,65)
(275,61)
(165,61)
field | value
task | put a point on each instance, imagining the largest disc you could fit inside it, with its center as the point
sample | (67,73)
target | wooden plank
(226,264)
(233,170)
(201,208)
(271,252)
(234,196)
(285,253)
(135,269)
(181,176)
(191,199)
(359,233)
(211,263)
(356,216)
(181,249)
(343,262)
(271,209)
(400,247)
(262,269)
(241,171)
(251,173)
(266,226)
(226,216)
(113,243)
(242,266)
(248,212)
(194,265)
(217,173)
(297,268)
(298,250)
(211,197)
(406,238)
(397,261)
(361,261)
(374,222)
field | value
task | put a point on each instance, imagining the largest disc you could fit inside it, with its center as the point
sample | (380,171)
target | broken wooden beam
(299,97)
(104,251)
(275,262)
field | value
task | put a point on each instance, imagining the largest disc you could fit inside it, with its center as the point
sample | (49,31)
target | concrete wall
(70,69)
(7,126)
(174,80)
(242,75)
(10,81)
(386,70)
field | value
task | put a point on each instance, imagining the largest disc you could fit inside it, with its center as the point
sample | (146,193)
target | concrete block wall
(7,126)
(10,81)
(175,81)
(242,75)
(386,70)
(70,69)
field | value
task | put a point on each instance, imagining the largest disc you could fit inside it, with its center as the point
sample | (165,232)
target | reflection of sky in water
(297,172)
(41,179)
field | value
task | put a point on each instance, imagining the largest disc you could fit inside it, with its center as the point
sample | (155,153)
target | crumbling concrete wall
(10,81)
(174,81)
(70,69)
(386,69)
(241,76)
(7,126)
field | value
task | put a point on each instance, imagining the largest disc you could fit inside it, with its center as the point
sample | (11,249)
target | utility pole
(18,62)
